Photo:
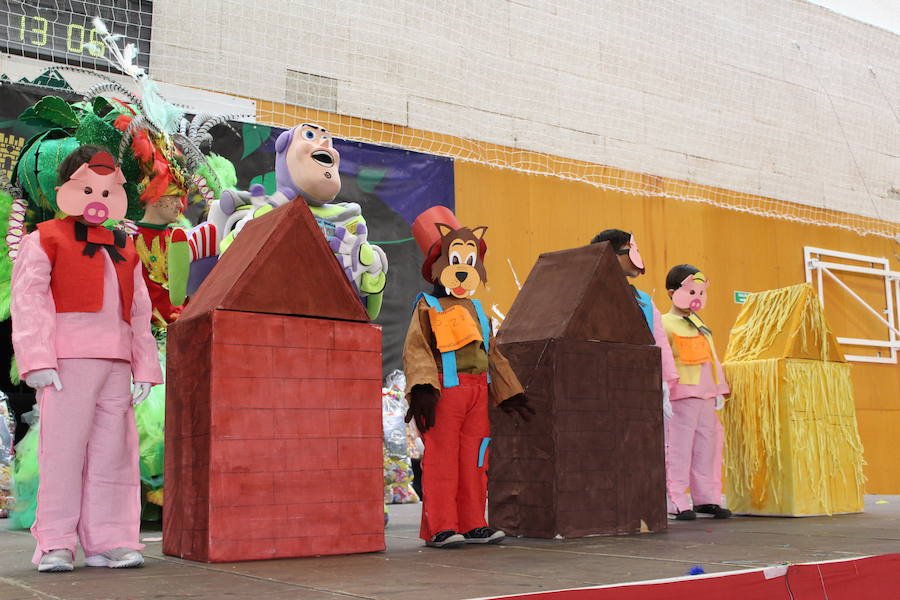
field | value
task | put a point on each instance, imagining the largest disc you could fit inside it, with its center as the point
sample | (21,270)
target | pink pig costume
(694,433)
(89,490)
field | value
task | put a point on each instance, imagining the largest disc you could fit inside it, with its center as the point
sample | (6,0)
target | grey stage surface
(407,570)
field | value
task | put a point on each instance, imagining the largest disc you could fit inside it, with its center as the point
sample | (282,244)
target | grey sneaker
(56,561)
(117,558)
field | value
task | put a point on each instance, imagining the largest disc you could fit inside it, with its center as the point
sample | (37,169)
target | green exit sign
(740,297)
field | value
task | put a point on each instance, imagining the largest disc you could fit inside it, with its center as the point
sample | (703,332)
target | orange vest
(76,277)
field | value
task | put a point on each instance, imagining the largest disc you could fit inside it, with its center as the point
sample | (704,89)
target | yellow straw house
(792,445)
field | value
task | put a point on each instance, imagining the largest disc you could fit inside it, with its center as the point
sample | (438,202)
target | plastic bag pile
(7,434)
(398,474)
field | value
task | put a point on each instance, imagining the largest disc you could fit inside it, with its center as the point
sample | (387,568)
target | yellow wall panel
(878,430)
(529,214)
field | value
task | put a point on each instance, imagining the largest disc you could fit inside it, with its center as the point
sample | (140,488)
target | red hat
(428,237)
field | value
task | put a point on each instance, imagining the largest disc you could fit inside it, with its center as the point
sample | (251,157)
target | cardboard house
(592,459)
(792,445)
(273,405)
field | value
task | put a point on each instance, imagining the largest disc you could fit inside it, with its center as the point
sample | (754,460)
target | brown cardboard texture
(591,461)
(256,403)
(578,294)
(279,264)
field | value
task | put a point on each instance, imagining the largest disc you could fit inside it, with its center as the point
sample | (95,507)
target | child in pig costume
(694,433)
(81,331)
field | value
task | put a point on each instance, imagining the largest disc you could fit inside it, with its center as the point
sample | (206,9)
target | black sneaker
(446,539)
(484,535)
(713,510)
(685,515)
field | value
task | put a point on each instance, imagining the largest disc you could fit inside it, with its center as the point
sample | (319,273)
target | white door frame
(816,263)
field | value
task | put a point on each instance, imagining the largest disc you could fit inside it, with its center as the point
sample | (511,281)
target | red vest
(76,279)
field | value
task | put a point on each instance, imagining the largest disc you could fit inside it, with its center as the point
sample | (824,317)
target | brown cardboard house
(592,460)
(273,405)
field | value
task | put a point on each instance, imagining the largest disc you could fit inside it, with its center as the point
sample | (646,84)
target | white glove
(139,392)
(667,402)
(41,378)
(720,402)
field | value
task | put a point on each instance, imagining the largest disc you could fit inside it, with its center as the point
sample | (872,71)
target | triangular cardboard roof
(782,323)
(280,264)
(578,294)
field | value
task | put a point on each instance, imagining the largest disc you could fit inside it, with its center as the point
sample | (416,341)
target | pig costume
(694,433)
(81,331)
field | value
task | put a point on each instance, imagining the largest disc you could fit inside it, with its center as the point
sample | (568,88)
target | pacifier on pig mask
(94,191)
(692,293)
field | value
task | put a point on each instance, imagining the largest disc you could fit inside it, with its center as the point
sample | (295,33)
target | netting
(777,108)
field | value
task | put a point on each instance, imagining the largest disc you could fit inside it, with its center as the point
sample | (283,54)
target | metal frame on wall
(819,264)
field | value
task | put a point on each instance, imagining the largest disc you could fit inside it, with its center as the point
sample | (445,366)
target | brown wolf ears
(443,229)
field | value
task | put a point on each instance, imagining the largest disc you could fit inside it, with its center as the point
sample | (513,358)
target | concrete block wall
(781,98)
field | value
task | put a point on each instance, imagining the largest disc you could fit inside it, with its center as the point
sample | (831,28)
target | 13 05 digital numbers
(79,39)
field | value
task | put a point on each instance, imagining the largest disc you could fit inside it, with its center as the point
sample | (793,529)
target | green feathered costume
(65,127)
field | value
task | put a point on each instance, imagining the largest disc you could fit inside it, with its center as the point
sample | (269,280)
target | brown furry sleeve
(504,383)
(418,354)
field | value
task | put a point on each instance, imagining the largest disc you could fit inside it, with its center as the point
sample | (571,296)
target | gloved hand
(139,392)
(518,405)
(423,401)
(41,378)
(720,402)
(365,264)
(667,402)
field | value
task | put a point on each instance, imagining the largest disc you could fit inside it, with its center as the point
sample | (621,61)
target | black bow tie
(100,237)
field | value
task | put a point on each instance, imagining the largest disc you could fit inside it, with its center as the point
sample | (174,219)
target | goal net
(772,107)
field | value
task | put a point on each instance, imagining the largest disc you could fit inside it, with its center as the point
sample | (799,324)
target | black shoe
(685,515)
(446,539)
(484,535)
(713,510)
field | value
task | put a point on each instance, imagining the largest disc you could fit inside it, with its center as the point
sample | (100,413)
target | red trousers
(455,486)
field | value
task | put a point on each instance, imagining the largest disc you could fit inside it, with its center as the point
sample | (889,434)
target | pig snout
(95,212)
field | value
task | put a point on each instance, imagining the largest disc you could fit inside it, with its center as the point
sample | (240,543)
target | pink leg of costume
(693,454)
(455,486)
(89,487)
(706,464)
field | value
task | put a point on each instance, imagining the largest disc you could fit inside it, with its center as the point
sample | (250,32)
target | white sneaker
(56,561)
(117,558)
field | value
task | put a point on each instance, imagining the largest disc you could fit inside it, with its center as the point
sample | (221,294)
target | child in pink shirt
(81,332)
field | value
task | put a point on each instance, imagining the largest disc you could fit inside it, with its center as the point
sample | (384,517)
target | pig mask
(692,293)
(94,191)
(634,255)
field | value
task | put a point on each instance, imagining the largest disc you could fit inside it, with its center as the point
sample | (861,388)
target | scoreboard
(62,31)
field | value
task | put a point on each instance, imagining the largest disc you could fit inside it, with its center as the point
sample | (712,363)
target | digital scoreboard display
(62,31)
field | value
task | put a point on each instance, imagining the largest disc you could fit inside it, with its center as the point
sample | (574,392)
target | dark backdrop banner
(391,185)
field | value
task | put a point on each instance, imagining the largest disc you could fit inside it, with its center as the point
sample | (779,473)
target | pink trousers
(693,454)
(89,487)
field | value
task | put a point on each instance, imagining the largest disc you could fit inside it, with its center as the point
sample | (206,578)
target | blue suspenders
(448,359)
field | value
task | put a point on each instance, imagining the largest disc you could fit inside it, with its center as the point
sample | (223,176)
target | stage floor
(407,570)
